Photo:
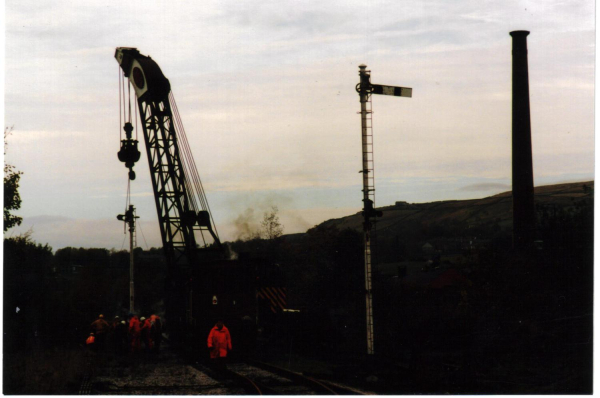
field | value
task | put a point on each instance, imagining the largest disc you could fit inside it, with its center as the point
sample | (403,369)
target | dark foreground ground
(526,367)
(564,369)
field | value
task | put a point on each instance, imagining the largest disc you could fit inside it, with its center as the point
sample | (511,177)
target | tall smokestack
(522,163)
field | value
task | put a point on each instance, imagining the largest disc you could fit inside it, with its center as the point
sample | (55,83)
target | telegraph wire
(139,225)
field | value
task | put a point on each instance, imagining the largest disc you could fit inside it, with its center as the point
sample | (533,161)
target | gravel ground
(142,375)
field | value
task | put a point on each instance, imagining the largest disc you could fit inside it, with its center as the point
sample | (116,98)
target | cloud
(266,91)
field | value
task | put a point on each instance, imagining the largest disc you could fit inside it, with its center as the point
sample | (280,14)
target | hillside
(473,212)
(405,227)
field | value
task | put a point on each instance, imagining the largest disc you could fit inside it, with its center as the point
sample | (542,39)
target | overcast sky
(266,92)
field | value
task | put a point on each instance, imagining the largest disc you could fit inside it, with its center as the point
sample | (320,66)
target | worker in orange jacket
(91,342)
(100,328)
(219,343)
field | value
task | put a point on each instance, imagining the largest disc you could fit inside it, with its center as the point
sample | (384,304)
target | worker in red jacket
(134,333)
(219,343)
(146,333)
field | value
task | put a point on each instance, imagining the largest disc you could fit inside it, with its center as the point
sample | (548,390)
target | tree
(12,199)
(271,228)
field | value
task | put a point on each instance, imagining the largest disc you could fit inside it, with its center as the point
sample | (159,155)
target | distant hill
(492,209)
(405,227)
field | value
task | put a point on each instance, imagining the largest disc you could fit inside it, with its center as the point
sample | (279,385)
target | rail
(258,378)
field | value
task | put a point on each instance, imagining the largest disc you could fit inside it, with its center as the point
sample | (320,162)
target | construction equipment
(186,224)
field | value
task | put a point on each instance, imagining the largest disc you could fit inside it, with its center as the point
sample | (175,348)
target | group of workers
(126,335)
(129,336)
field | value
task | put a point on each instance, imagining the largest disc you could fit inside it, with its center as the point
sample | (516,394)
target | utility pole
(129,217)
(365,89)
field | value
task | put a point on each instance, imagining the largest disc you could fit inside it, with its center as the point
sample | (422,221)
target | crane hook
(129,153)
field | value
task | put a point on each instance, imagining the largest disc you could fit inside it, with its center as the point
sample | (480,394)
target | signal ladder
(368,194)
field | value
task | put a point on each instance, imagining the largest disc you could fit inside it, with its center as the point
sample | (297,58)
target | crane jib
(181,203)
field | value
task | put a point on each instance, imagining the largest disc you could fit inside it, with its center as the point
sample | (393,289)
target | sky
(266,92)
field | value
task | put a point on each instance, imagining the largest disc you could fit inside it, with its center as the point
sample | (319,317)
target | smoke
(232,253)
(247,225)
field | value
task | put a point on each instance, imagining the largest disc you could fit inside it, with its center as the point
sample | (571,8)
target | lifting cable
(123,95)
(189,165)
(139,226)
(129,98)
(123,243)
(123,116)
(127,202)
(185,152)
(192,166)
(120,109)
(136,118)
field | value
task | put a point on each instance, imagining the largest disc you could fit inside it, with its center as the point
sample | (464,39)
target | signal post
(129,218)
(365,89)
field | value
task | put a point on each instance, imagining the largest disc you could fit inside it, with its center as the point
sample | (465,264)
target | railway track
(326,387)
(257,378)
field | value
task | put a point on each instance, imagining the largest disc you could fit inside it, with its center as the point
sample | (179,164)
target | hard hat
(123,322)
(117,317)
(101,316)
(91,334)
(143,318)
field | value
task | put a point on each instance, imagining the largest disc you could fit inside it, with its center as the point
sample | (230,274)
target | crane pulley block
(129,153)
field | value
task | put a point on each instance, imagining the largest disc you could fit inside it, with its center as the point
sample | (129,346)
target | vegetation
(271,228)
(12,199)
(51,299)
